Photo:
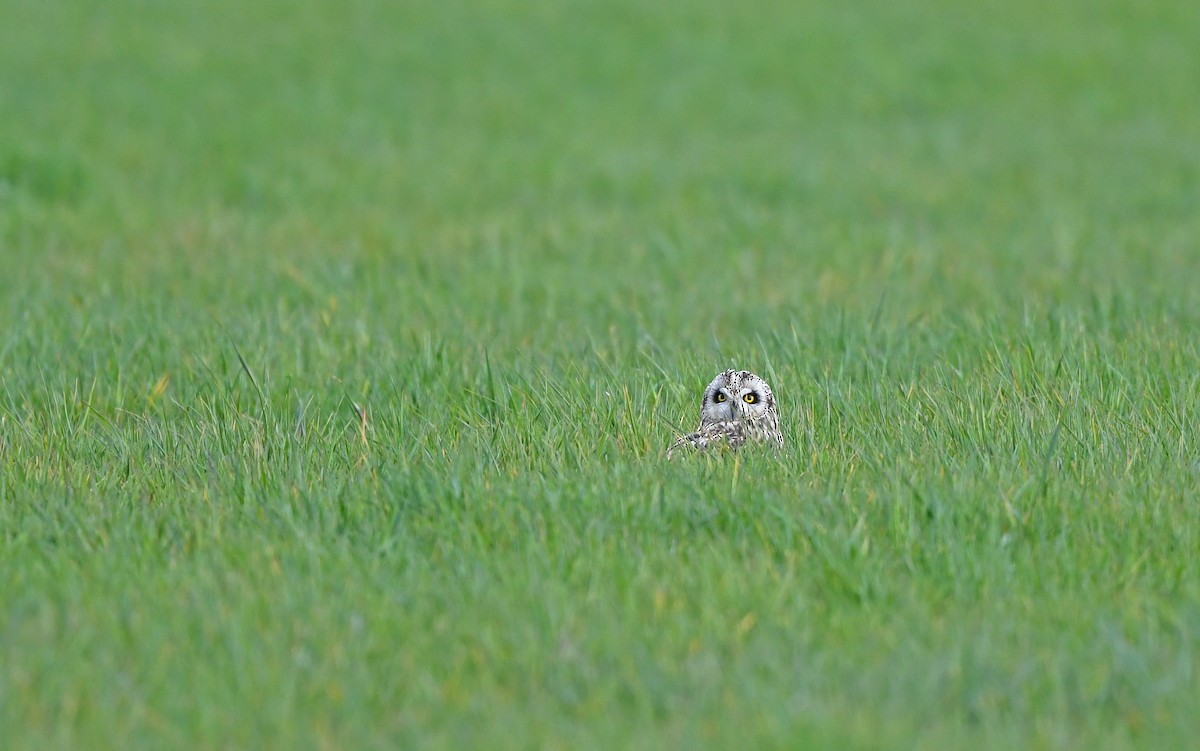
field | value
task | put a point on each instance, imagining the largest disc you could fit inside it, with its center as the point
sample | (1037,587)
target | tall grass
(340,344)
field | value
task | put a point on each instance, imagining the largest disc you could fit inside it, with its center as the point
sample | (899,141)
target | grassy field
(340,344)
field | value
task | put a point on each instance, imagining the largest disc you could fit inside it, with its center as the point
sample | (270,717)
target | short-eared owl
(738,406)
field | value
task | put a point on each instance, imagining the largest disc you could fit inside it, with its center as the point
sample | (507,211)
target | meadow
(340,344)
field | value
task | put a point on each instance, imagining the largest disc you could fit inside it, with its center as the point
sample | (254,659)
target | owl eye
(750,398)
(719,397)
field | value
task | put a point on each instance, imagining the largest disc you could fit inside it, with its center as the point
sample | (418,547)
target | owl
(738,406)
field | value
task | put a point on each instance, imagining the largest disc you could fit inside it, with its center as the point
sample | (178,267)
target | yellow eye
(750,398)
(719,397)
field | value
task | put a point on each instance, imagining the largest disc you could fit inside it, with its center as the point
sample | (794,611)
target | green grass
(959,240)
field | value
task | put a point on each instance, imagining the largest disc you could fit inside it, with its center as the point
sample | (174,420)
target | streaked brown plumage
(738,406)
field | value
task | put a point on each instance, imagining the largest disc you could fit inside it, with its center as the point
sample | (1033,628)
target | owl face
(738,407)
(737,395)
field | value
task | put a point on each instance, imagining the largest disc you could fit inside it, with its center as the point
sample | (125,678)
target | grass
(340,343)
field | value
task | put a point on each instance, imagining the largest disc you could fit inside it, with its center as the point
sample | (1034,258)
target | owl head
(737,395)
